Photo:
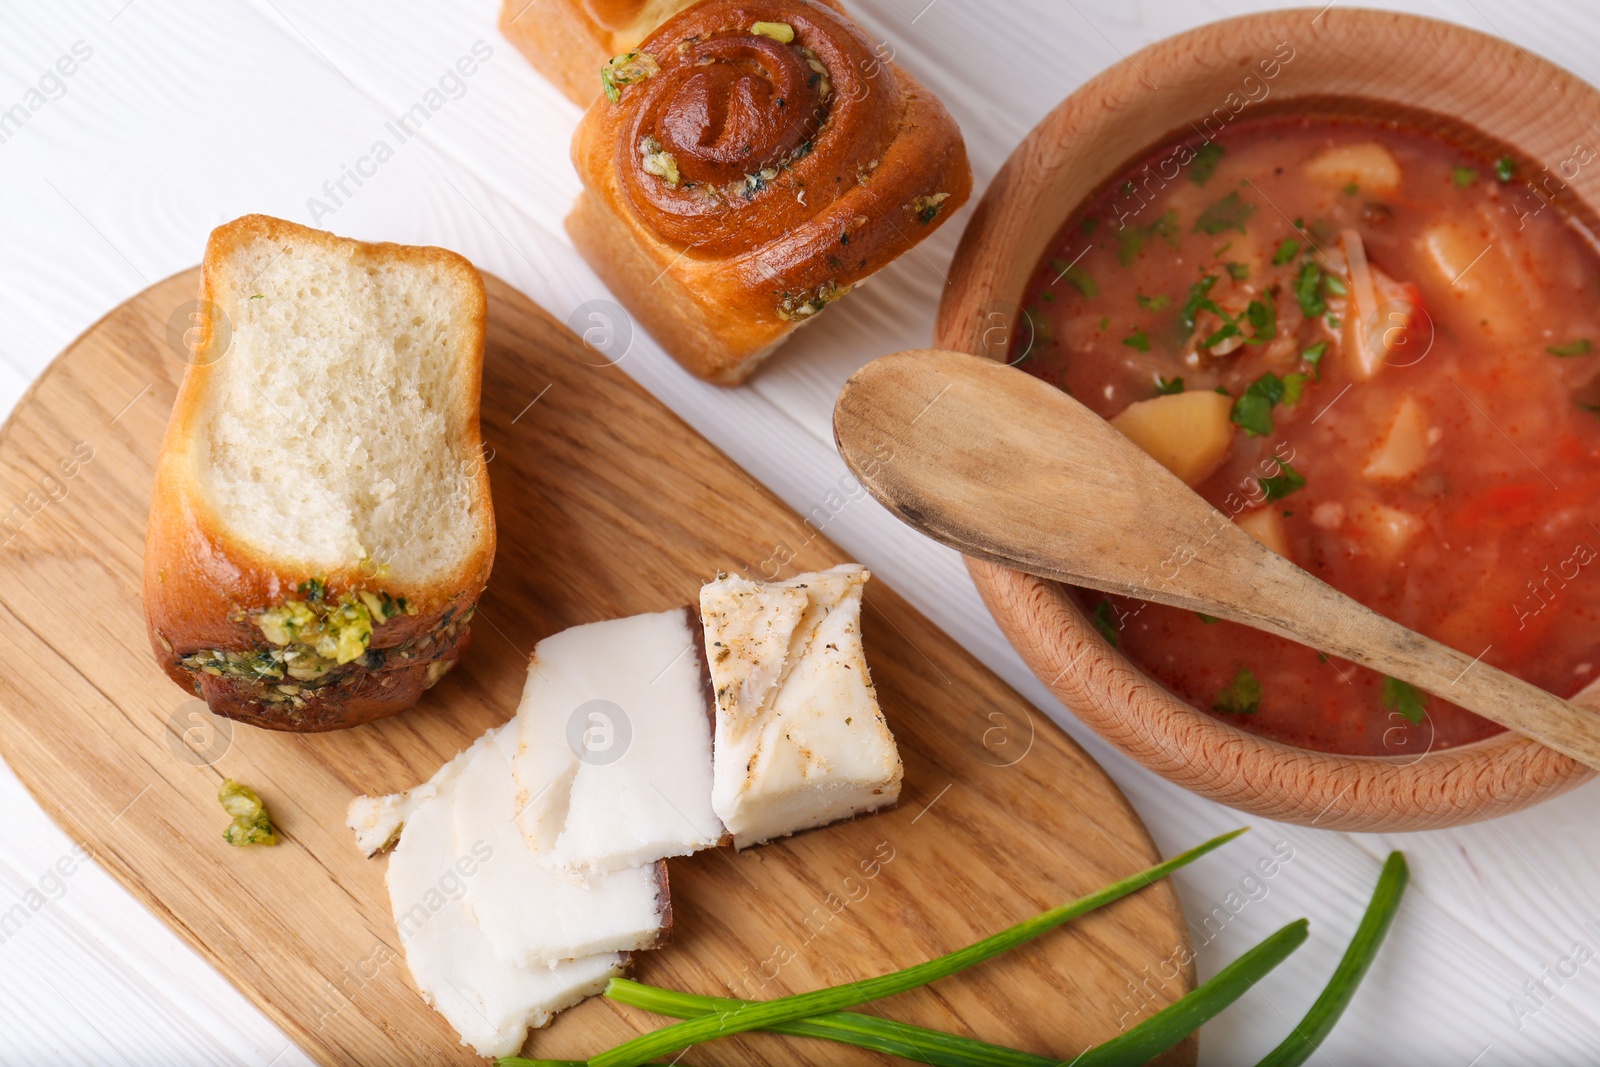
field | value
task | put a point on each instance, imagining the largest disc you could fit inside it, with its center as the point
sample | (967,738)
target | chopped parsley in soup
(1378,352)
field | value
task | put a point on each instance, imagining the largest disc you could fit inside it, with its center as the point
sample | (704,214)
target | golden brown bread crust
(568,41)
(203,587)
(733,191)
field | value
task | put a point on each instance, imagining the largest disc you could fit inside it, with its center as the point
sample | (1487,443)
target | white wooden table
(177,117)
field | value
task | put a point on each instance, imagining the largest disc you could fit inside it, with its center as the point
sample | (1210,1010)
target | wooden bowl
(1219,72)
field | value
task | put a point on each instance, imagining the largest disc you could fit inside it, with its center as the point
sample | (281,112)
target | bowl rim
(1101,686)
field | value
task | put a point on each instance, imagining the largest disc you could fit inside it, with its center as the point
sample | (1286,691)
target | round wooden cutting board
(607,505)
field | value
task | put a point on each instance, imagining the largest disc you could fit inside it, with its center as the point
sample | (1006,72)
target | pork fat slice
(377,820)
(613,763)
(490,1002)
(533,916)
(800,741)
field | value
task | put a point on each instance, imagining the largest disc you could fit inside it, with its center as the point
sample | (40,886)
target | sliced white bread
(321,523)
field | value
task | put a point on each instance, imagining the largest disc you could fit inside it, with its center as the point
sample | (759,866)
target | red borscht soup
(1378,351)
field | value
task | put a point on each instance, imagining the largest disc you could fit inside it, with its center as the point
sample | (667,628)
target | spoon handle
(1283,599)
(1268,592)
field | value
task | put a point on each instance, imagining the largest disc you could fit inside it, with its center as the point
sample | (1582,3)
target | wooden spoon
(1004,467)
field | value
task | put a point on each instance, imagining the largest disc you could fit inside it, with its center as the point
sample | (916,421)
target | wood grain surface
(1375,58)
(607,505)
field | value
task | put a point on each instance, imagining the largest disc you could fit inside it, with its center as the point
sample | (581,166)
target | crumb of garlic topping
(251,824)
